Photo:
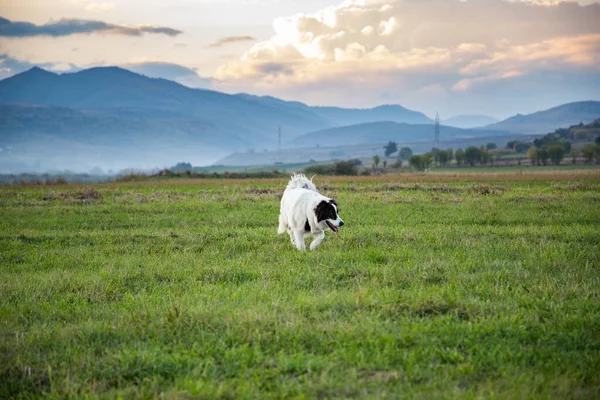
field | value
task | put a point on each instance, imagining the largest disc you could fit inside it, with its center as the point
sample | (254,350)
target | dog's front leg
(298,240)
(317,241)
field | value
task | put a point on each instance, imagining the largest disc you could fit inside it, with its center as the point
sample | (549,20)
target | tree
(442,157)
(384,164)
(472,155)
(556,153)
(484,156)
(574,154)
(417,162)
(597,141)
(390,148)
(532,156)
(588,151)
(346,167)
(405,154)
(491,146)
(522,147)
(427,160)
(450,155)
(543,156)
(181,167)
(376,160)
(459,156)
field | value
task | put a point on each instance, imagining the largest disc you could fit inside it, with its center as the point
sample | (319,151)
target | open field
(453,285)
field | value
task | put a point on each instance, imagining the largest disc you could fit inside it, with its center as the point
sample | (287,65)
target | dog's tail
(301,181)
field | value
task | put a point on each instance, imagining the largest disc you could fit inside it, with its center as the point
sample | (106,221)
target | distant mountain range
(469,121)
(380,132)
(131,114)
(546,121)
(112,116)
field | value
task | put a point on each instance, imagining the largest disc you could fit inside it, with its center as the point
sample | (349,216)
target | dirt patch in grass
(88,194)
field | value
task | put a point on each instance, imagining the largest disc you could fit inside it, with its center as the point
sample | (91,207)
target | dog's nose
(341,223)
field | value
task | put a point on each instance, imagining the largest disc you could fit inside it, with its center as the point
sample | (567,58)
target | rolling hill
(469,121)
(546,121)
(377,132)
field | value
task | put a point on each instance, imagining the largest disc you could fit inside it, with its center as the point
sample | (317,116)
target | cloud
(359,49)
(174,72)
(66,27)
(10,66)
(99,7)
(231,39)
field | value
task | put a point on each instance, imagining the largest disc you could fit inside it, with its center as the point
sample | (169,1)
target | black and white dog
(304,211)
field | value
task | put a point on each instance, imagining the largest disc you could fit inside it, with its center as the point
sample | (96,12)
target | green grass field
(183,290)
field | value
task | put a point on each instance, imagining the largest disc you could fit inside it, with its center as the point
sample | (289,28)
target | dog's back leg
(283,224)
(317,241)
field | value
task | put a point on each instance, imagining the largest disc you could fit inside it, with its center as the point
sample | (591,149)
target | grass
(453,289)
(514,168)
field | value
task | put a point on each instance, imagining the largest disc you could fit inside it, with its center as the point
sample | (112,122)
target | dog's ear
(335,204)
(325,211)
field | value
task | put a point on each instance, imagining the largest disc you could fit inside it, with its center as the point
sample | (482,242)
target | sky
(492,57)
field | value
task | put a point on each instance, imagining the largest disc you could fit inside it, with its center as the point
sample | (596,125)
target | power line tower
(436,143)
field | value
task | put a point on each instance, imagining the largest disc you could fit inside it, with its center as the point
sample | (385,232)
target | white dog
(306,212)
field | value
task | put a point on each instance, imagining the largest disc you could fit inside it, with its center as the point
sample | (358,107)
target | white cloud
(370,45)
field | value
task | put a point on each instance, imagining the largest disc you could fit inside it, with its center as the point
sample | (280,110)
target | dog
(304,211)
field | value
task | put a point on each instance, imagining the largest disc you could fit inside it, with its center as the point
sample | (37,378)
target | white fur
(298,205)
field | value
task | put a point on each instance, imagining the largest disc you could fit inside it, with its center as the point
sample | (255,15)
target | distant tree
(574,154)
(459,156)
(390,148)
(556,153)
(346,167)
(384,164)
(543,156)
(521,147)
(491,146)
(589,151)
(484,156)
(532,156)
(417,162)
(472,155)
(376,160)
(450,155)
(442,157)
(597,141)
(427,160)
(405,154)
(181,167)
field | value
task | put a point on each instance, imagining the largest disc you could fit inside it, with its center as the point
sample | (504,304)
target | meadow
(448,285)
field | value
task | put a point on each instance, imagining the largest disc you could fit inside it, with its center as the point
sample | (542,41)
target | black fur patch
(325,210)
(307,226)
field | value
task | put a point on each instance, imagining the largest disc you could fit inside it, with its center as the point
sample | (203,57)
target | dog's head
(327,215)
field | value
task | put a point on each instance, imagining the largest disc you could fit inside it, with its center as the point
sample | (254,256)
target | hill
(546,121)
(469,121)
(377,132)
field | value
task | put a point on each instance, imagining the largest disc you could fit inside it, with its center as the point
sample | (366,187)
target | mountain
(546,121)
(131,117)
(113,88)
(353,116)
(338,116)
(381,132)
(469,121)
